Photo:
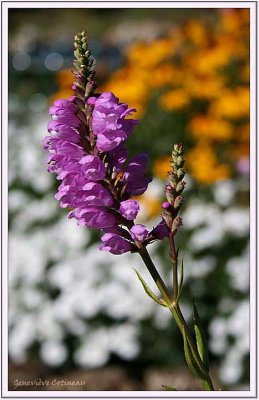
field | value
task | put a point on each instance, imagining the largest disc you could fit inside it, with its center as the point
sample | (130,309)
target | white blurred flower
(26,260)
(238,270)
(53,353)
(48,326)
(237,325)
(218,332)
(235,220)
(200,213)
(124,342)
(21,337)
(97,346)
(94,349)
(17,200)
(198,268)
(209,236)
(224,192)
(231,368)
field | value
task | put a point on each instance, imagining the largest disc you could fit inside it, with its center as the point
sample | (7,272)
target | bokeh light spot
(38,102)
(21,61)
(13,102)
(54,61)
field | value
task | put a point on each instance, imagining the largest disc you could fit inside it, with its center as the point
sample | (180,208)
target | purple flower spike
(115,244)
(93,167)
(86,152)
(129,209)
(139,233)
(109,123)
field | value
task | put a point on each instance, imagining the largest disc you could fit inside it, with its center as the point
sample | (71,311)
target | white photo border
(253,392)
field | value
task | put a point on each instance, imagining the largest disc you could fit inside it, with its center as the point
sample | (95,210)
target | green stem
(176,312)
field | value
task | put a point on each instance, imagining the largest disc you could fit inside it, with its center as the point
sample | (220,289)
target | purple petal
(115,244)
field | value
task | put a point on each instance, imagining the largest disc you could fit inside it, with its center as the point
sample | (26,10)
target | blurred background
(76,313)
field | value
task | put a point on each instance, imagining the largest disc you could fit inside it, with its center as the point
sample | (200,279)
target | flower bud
(172,180)
(178,201)
(139,233)
(167,218)
(177,222)
(180,186)
(178,148)
(165,205)
(169,195)
(180,173)
(180,161)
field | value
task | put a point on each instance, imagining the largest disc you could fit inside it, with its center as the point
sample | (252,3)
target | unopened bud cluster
(84,64)
(174,189)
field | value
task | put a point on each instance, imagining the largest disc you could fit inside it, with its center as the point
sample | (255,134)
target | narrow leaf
(149,292)
(177,251)
(200,338)
(180,282)
(193,366)
(168,387)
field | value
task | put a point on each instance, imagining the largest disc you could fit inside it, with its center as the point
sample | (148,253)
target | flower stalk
(194,357)
(176,312)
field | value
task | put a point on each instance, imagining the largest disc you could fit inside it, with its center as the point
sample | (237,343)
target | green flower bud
(172,180)
(169,197)
(180,186)
(84,64)
(177,222)
(167,218)
(180,173)
(178,201)
(180,161)
(178,149)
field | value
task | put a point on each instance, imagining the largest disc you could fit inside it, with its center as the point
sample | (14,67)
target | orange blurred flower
(150,54)
(65,78)
(196,32)
(174,100)
(233,104)
(203,164)
(150,207)
(161,167)
(207,127)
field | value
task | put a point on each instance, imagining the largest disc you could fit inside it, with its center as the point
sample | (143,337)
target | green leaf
(193,366)
(200,338)
(168,387)
(177,251)
(180,282)
(149,292)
